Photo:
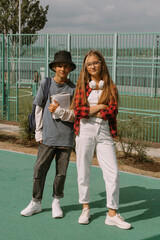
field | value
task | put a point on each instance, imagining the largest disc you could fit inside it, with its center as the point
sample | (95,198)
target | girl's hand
(53,106)
(96,108)
(102,106)
(98,115)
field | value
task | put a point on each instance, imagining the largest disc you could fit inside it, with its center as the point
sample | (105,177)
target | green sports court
(139,205)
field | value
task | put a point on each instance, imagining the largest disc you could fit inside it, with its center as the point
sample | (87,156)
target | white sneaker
(84,217)
(33,207)
(118,221)
(56,209)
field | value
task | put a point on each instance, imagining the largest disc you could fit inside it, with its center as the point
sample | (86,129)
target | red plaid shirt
(82,111)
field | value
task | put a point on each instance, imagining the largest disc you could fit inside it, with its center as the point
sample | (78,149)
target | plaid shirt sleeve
(110,112)
(80,110)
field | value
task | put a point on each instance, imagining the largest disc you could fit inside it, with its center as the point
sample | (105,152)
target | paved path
(9,128)
(153,152)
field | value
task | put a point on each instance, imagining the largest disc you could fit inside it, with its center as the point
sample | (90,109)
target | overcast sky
(102,16)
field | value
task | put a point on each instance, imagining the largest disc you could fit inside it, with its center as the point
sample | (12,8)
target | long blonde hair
(109,93)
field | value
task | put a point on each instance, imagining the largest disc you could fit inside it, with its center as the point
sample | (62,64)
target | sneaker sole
(28,215)
(117,225)
(57,216)
(84,223)
(87,222)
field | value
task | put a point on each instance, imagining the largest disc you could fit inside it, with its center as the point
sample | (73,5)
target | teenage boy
(56,137)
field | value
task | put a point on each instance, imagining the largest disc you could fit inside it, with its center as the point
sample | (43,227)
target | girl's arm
(94,110)
(84,111)
(80,110)
(110,112)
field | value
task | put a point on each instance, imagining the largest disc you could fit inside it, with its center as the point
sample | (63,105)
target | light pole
(20,2)
(156,80)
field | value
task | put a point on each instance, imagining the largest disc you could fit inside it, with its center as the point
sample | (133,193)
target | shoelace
(57,206)
(84,210)
(120,217)
(30,205)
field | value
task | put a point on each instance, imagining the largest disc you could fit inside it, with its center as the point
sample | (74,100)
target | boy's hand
(53,106)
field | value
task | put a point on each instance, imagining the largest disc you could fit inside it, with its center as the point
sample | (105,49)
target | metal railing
(133,60)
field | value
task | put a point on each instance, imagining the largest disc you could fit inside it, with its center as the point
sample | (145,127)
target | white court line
(30,93)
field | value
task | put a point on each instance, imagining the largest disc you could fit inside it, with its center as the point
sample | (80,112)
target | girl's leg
(108,162)
(84,153)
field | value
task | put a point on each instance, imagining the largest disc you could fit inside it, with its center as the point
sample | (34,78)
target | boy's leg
(42,165)
(62,160)
(44,159)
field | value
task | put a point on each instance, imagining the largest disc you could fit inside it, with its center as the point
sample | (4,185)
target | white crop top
(94,97)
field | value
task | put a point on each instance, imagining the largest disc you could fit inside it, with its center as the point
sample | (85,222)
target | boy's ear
(70,68)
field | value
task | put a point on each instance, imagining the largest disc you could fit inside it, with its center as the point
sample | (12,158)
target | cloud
(88,16)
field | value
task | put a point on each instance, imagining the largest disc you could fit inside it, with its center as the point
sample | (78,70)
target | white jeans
(96,135)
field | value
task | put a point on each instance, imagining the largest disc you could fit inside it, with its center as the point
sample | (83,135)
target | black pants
(42,165)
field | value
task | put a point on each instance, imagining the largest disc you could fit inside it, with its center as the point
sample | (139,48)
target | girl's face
(93,66)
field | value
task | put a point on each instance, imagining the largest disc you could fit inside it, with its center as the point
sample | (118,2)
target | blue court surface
(139,205)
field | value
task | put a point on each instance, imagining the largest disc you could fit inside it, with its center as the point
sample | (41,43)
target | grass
(140,103)
(145,108)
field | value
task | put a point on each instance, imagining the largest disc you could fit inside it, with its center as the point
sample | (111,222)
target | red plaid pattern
(82,111)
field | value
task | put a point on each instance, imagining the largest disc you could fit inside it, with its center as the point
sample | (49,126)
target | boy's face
(62,70)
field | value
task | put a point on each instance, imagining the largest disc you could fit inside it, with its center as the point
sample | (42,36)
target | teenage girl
(95,105)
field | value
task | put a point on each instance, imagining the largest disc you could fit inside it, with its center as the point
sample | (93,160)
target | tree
(33,19)
(33,16)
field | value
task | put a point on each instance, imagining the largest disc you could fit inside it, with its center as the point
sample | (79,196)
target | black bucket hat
(62,57)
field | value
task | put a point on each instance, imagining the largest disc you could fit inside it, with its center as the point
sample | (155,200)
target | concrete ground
(139,205)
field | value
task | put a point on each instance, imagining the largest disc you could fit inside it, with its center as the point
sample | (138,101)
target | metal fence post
(8,83)
(114,62)
(3,83)
(47,54)
(156,79)
(69,42)
(69,46)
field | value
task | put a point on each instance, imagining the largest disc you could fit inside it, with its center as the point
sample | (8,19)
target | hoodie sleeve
(39,123)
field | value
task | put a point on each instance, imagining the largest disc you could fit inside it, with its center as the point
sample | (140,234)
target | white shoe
(56,209)
(33,207)
(118,221)
(84,217)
